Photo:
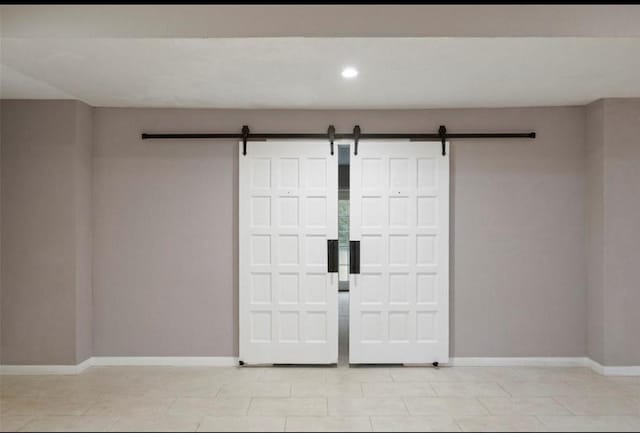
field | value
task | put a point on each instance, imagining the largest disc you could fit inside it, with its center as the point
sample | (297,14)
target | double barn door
(288,273)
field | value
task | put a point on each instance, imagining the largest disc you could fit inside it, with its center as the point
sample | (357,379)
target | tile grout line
(114,423)
(455,421)
(477,399)
(486,407)
(435,389)
(199,423)
(406,406)
(541,422)
(26,424)
(554,398)
(503,388)
(435,393)
(246,413)
(172,404)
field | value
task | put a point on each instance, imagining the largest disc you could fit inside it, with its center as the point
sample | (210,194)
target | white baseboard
(45,369)
(229,361)
(632,370)
(547,362)
(165,361)
(518,362)
(113,361)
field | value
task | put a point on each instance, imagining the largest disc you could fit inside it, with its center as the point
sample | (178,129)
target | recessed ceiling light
(349,72)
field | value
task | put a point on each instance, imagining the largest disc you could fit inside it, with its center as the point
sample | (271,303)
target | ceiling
(320,20)
(301,72)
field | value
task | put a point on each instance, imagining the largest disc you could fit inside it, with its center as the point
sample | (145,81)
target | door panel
(399,302)
(288,195)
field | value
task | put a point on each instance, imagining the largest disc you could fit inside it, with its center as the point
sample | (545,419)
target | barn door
(288,197)
(399,296)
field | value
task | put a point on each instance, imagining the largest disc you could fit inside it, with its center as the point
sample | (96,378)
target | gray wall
(129,247)
(165,228)
(613,199)
(1,118)
(622,231)
(595,229)
(83,173)
(43,221)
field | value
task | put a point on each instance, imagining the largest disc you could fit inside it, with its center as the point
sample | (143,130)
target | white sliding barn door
(288,198)
(399,303)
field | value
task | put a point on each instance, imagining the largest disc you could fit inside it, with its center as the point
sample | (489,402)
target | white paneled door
(399,302)
(288,198)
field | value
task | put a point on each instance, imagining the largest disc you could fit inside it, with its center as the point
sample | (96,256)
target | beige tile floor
(321,399)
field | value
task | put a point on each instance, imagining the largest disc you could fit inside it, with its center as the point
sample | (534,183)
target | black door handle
(332,255)
(354,257)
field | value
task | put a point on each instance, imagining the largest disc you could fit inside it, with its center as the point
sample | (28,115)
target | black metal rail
(331,135)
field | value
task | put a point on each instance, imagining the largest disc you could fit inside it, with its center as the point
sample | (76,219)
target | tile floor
(321,399)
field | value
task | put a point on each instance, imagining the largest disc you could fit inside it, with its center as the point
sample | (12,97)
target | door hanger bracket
(245,137)
(442,131)
(331,132)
